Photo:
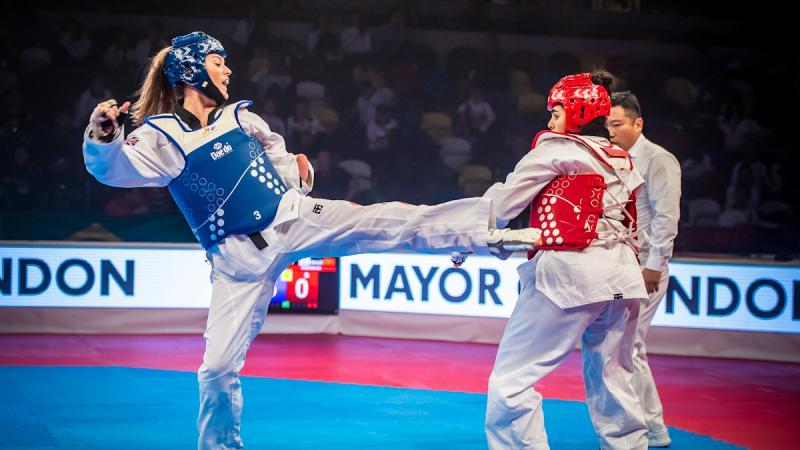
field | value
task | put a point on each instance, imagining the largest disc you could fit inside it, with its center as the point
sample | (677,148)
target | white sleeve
(145,159)
(533,172)
(285,163)
(664,192)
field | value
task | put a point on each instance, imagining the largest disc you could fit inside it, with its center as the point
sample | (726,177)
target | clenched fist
(103,121)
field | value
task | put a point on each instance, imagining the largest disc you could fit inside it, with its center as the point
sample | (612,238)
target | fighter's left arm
(664,194)
(287,164)
(532,173)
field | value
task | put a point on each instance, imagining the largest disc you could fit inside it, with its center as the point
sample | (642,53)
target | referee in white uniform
(658,208)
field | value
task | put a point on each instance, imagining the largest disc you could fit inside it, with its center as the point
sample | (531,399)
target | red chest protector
(568,208)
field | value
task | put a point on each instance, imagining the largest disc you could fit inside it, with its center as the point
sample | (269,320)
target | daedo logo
(220,150)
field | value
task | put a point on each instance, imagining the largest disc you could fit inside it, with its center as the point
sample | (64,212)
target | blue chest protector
(228,186)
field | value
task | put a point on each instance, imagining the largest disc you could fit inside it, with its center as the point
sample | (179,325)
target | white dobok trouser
(643,380)
(538,337)
(243,279)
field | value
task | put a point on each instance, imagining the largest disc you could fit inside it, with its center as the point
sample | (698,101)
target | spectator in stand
(275,80)
(302,126)
(330,181)
(369,98)
(476,114)
(517,143)
(393,36)
(322,26)
(326,47)
(356,39)
(244,29)
(74,41)
(739,127)
(749,179)
(746,194)
(381,129)
(269,112)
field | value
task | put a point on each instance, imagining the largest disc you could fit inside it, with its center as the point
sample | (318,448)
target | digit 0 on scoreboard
(308,286)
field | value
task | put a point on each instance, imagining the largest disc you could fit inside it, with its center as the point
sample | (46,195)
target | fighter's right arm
(145,159)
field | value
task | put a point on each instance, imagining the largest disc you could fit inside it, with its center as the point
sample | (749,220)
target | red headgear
(582,100)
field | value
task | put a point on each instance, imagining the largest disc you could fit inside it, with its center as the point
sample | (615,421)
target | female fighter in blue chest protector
(244,196)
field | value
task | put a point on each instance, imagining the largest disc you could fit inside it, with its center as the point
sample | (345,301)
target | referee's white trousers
(643,380)
(538,337)
(243,279)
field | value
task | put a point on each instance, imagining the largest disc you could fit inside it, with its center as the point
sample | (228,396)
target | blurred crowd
(384,116)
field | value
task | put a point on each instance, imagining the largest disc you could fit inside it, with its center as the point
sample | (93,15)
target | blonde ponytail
(156,96)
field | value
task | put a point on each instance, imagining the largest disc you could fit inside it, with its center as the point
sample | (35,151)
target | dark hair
(596,127)
(605,79)
(628,102)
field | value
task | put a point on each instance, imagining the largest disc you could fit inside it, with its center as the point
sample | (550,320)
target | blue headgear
(186,63)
